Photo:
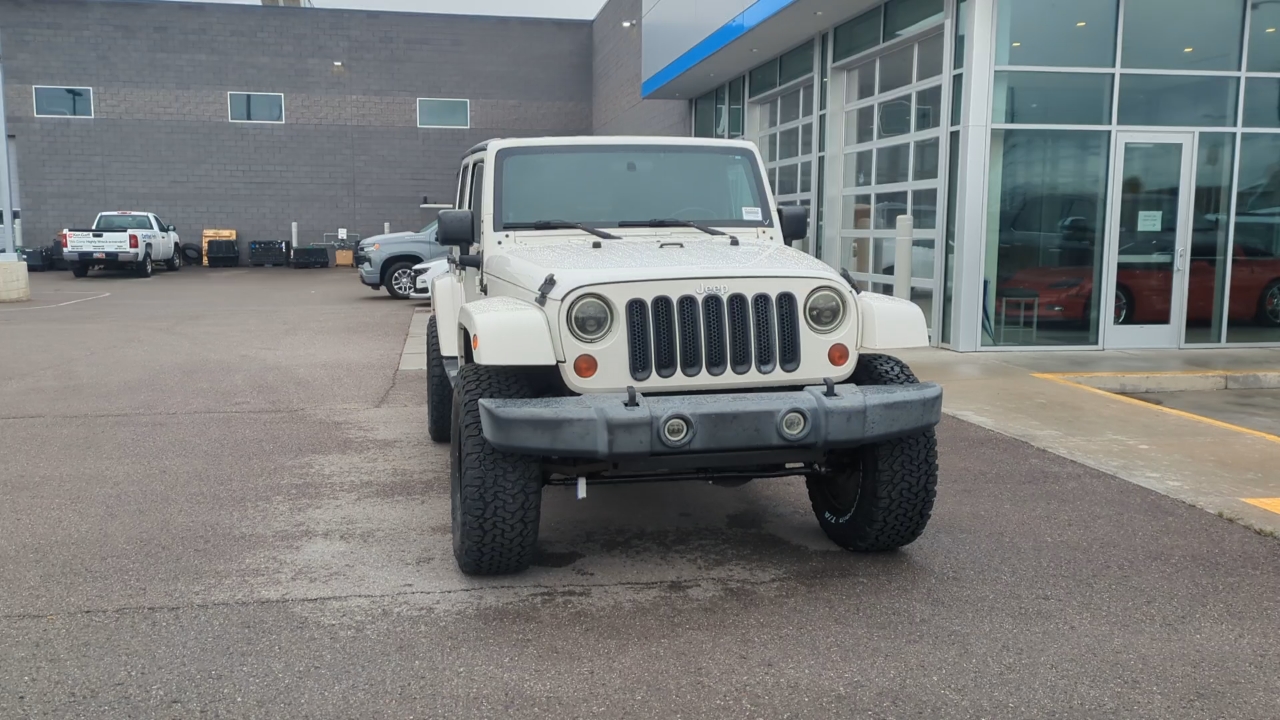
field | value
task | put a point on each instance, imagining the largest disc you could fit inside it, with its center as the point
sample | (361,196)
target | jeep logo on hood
(712,289)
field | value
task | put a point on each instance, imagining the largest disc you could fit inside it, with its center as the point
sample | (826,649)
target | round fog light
(585,366)
(675,431)
(794,424)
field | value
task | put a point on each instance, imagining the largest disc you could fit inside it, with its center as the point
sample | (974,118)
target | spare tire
(192,253)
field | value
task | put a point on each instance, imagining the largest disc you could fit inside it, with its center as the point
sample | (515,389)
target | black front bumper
(604,427)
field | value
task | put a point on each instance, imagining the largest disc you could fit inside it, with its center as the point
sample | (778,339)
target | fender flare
(507,331)
(446,300)
(890,323)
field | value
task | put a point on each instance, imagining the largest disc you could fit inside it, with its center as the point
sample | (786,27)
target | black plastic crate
(311,257)
(268,252)
(38,259)
(223,253)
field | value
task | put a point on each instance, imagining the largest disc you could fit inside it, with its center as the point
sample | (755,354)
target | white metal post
(386,228)
(902,257)
(6,187)
(294,235)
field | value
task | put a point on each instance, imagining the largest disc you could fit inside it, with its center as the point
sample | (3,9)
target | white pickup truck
(123,239)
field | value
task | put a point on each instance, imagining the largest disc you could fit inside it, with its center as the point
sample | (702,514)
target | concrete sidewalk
(1205,462)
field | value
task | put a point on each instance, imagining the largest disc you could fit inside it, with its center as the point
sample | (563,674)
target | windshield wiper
(671,222)
(563,225)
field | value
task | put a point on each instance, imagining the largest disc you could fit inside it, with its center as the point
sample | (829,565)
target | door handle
(1182,258)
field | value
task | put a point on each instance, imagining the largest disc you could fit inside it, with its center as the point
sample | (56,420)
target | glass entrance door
(1148,238)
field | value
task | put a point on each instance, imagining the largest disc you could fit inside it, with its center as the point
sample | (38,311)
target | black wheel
(439,392)
(878,497)
(191,253)
(1269,305)
(496,498)
(1124,306)
(142,268)
(80,270)
(174,263)
(399,280)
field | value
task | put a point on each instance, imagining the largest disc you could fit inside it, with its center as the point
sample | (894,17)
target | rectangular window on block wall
(255,107)
(63,101)
(444,113)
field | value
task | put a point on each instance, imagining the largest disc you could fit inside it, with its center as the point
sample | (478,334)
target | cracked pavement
(217,498)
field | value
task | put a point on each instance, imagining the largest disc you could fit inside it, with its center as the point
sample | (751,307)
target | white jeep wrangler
(630,310)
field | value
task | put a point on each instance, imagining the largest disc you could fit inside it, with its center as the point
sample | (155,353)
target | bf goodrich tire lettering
(879,496)
(495,497)
(439,392)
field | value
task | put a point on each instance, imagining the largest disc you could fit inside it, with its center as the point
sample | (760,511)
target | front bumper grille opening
(638,339)
(713,320)
(764,333)
(788,332)
(739,321)
(690,335)
(664,337)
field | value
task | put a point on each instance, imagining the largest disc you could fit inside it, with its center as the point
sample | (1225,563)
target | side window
(475,200)
(463,175)
(159,223)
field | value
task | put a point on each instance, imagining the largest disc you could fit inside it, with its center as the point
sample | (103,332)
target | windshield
(429,230)
(123,222)
(603,185)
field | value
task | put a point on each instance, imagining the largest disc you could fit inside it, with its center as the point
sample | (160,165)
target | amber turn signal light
(838,355)
(585,366)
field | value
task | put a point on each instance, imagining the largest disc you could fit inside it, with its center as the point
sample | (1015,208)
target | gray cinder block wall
(350,153)
(617,108)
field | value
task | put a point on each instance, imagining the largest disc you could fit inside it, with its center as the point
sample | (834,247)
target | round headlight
(824,310)
(590,318)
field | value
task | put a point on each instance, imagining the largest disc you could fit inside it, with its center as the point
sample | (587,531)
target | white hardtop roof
(580,140)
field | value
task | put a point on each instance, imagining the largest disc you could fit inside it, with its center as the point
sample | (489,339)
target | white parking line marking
(42,307)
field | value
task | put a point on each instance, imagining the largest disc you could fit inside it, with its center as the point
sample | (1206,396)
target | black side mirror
(794,220)
(455,227)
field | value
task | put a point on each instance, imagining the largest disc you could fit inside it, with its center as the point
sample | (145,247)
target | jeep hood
(575,263)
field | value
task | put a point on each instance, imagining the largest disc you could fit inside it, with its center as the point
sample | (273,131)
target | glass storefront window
(1178,100)
(1264,38)
(962,29)
(763,78)
(895,116)
(1254,314)
(893,164)
(1183,34)
(1262,102)
(929,108)
(796,63)
(722,112)
(895,69)
(1047,194)
(1059,33)
(858,35)
(925,160)
(704,118)
(735,107)
(957,98)
(929,61)
(1052,98)
(1209,235)
(924,211)
(907,17)
(949,251)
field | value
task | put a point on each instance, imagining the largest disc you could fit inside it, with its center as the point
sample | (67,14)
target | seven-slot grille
(714,335)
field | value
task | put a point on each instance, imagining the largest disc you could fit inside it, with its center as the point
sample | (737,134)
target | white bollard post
(386,228)
(902,258)
(294,235)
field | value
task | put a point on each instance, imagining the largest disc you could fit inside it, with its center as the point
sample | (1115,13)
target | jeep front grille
(713,335)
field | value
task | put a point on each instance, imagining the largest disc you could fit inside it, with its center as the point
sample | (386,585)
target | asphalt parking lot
(217,498)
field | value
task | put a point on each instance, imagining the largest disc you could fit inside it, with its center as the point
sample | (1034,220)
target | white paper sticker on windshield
(752,213)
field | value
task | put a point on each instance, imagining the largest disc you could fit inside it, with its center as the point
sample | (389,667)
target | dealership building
(1079,173)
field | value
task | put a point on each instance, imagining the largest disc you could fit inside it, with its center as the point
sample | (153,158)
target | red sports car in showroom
(1143,291)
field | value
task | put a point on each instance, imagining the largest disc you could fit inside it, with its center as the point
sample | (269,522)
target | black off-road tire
(80,270)
(439,391)
(143,268)
(879,496)
(192,253)
(174,264)
(496,497)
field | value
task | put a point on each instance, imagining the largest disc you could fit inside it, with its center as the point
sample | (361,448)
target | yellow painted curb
(1062,378)
(1272,504)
